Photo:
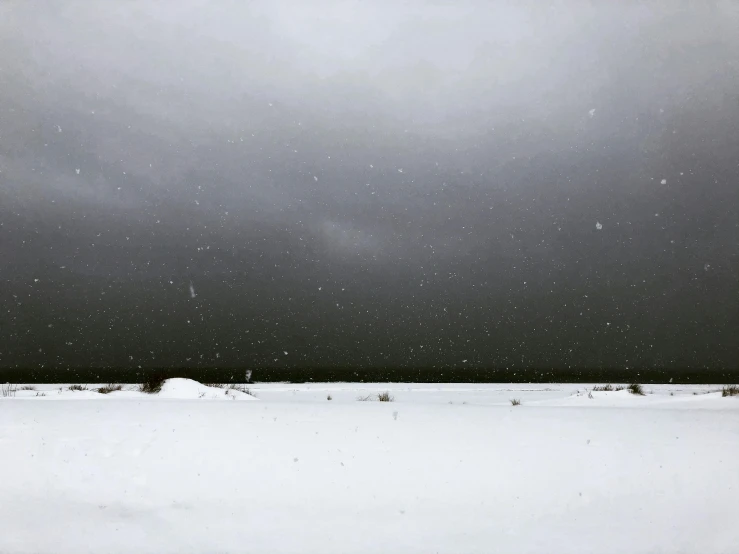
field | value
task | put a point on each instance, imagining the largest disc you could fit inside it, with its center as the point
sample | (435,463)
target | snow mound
(180,388)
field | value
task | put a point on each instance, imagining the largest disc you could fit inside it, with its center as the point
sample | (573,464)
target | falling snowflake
(77,171)
(192,291)
(591,113)
(663,181)
(598,225)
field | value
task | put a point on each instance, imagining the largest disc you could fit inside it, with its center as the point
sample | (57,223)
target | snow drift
(447,468)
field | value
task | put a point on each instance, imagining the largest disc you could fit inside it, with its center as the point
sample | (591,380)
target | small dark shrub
(27,387)
(9,390)
(730,390)
(385,397)
(364,398)
(153,383)
(515,402)
(329,397)
(215,385)
(603,388)
(636,388)
(618,388)
(77,387)
(107,389)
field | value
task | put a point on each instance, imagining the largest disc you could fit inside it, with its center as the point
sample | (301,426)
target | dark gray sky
(424,183)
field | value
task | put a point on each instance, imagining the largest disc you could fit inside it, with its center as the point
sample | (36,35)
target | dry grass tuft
(107,389)
(242,388)
(385,397)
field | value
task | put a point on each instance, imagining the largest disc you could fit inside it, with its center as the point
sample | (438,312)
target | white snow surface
(444,468)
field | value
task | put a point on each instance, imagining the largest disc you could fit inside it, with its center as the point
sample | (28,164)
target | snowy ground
(443,468)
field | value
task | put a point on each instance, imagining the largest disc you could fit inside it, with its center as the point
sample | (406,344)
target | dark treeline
(383,375)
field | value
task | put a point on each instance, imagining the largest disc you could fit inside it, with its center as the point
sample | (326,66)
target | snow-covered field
(444,468)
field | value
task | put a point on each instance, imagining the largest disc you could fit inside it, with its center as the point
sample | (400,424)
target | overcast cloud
(369,183)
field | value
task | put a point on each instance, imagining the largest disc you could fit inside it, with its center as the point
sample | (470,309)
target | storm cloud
(497,184)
